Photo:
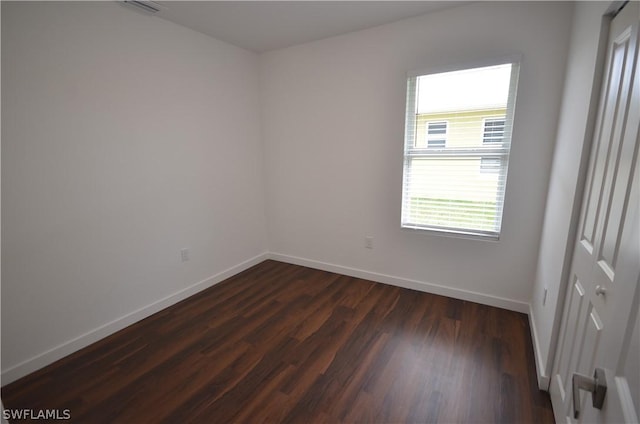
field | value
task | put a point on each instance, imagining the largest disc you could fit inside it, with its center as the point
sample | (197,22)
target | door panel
(598,320)
(600,159)
(586,356)
(618,181)
(576,302)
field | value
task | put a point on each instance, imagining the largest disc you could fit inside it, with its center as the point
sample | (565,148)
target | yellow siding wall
(463,129)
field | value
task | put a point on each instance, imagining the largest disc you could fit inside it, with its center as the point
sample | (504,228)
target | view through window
(457,142)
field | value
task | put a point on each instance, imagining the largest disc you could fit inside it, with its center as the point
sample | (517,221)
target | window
(436,134)
(493,131)
(490,165)
(457,142)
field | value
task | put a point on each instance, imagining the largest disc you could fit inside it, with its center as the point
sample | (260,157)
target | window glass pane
(456,158)
(452,193)
(490,165)
(437,128)
(493,130)
(436,142)
(431,134)
(437,134)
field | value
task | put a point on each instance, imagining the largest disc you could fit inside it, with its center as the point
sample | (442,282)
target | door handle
(601,290)
(596,385)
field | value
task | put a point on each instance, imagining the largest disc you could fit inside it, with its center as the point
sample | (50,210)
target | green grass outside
(467,214)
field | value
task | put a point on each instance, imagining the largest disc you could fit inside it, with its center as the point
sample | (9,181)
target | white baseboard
(543,380)
(499,302)
(39,361)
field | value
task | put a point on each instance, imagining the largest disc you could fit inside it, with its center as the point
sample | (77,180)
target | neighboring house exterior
(464,129)
(480,176)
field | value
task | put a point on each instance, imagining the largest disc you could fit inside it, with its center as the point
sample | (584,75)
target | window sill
(450,233)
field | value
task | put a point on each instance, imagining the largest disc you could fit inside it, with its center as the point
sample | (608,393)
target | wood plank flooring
(288,344)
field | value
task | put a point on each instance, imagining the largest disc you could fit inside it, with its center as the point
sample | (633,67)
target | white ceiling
(260,26)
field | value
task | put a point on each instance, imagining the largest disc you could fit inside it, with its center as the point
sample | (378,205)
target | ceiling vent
(144,6)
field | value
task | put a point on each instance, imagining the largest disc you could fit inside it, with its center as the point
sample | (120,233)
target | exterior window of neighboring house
(493,131)
(436,134)
(490,165)
(457,142)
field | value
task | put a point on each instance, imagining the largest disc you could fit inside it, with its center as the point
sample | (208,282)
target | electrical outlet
(544,297)
(184,254)
(368,242)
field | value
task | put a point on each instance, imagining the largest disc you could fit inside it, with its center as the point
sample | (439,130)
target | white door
(600,324)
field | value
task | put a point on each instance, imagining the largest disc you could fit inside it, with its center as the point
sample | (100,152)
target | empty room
(320,211)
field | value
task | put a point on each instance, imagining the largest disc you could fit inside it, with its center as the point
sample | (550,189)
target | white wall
(333,121)
(579,104)
(124,139)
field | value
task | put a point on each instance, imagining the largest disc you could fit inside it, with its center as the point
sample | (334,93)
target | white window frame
(488,151)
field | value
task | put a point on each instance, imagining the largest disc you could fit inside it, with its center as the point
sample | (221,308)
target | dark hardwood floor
(283,343)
